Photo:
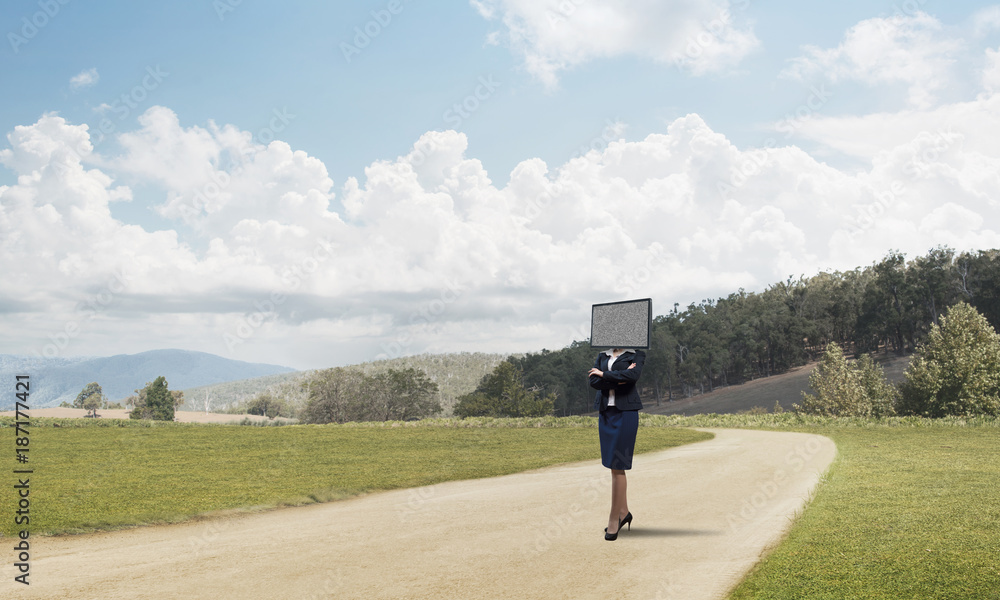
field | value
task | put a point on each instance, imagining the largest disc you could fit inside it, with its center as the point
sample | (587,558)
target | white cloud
(428,254)
(974,124)
(84,79)
(991,71)
(484,9)
(916,51)
(218,179)
(554,35)
(986,21)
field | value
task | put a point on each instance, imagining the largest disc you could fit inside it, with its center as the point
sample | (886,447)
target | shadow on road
(664,532)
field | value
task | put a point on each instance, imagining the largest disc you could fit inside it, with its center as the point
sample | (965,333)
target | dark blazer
(621,379)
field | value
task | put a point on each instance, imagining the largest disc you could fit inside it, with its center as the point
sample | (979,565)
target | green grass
(909,509)
(99,477)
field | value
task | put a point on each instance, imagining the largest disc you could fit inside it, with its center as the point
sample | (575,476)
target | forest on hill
(887,307)
(454,374)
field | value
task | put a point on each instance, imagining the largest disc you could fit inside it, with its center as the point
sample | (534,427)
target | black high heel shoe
(614,536)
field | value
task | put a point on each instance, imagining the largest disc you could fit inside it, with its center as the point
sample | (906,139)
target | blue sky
(235,64)
(468,165)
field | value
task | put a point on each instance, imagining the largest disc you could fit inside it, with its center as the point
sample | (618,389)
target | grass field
(99,477)
(910,509)
(905,513)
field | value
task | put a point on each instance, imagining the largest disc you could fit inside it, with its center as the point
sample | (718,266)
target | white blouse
(611,393)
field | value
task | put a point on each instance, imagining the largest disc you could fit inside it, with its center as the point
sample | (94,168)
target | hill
(455,374)
(56,380)
(785,389)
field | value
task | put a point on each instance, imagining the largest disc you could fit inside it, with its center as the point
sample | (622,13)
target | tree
(837,388)
(502,394)
(401,395)
(956,370)
(558,373)
(91,397)
(155,401)
(332,397)
(661,366)
(268,405)
(887,316)
(177,397)
(341,395)
(978,278)
(92,403)
(935,282)
(843,389)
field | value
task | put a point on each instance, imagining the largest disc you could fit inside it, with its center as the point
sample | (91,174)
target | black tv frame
(649,322)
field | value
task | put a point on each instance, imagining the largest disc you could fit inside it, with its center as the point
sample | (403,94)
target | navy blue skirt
(617,429)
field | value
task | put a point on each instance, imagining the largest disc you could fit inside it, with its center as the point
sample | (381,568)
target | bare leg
(620,486)
(619,500)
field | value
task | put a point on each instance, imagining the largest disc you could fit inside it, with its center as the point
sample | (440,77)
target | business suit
(621,379)
(618,423)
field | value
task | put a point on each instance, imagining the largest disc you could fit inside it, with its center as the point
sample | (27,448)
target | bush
(956,371)
(502,394)
(882,395)
(848,390)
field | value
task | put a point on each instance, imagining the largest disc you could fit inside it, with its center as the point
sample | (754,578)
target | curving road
(703,514)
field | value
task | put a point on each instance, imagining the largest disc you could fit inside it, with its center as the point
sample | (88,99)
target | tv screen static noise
(625,324)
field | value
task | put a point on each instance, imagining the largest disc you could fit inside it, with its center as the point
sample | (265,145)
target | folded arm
(606,380)
(596,379)
(630,374)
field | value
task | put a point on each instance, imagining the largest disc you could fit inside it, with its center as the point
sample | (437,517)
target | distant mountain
(55,380)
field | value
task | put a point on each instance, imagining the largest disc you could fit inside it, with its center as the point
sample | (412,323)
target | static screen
(621,324)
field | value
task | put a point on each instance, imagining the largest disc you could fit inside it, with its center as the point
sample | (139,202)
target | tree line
(888,306)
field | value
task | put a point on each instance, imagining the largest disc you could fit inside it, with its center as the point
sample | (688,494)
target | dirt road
(703,514)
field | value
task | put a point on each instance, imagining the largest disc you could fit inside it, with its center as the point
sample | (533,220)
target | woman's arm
(630,374)
(596,377)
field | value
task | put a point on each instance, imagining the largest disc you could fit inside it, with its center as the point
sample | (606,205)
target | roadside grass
(909,509)
(101,476)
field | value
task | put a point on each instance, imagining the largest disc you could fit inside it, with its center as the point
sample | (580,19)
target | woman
(614,376)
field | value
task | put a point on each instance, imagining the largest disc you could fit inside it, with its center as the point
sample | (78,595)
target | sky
(314,184)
